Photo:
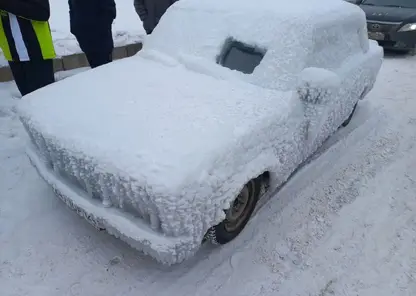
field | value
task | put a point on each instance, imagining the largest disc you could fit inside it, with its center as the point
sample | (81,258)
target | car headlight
(408,27)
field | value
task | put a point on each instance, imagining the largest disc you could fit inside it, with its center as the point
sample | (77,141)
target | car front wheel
(237,215)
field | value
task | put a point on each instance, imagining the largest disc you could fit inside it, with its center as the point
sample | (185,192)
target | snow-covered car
(176,145)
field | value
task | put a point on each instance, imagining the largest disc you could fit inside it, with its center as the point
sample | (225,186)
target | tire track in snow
(303,224)
(368,249)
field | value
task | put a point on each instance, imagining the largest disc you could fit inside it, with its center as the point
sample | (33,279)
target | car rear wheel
(237,215)
(348,120)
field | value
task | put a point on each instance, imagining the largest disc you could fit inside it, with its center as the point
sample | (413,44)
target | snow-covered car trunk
(160,152)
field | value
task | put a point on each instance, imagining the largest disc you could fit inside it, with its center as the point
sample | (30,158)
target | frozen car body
(154,148)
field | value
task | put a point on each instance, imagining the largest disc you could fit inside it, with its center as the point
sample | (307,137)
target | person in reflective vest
(26,42)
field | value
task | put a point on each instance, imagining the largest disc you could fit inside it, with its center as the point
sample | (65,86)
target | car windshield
(391,3)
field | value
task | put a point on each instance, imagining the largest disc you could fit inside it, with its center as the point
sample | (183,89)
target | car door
(317,90)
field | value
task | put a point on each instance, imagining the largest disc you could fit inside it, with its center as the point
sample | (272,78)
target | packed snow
(137,153)
(343,225)
(127,27)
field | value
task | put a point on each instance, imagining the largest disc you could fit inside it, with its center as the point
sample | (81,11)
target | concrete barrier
(78,60)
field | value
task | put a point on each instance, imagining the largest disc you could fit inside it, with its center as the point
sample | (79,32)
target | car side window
(238,56)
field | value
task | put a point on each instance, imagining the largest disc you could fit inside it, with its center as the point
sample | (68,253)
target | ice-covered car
(177,144)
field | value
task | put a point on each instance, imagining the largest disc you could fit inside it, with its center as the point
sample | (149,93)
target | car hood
(388,14)
(146,118)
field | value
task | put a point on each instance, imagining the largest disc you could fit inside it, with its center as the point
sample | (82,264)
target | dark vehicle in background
(391,22)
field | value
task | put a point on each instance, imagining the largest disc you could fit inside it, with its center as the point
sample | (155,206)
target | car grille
(382,27)
(80,173)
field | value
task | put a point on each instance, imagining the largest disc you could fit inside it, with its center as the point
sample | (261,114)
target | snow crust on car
(174,136)
(166,153)
(292,32)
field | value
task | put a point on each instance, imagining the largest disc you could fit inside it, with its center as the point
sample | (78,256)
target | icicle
(154,221)
(106,197)
(88,188)
(141,206)
(118,192)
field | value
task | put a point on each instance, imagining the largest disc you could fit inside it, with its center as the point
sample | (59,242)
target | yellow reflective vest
(22,39)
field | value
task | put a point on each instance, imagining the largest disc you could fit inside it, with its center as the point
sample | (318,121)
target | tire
(238,215)
(348,120)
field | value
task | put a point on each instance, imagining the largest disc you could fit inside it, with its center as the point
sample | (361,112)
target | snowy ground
(127,27)
(345,224)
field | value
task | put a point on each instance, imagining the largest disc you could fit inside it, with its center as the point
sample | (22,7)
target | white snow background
(345,224)
(127,27)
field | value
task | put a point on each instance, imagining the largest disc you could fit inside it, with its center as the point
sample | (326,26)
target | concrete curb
(78,60)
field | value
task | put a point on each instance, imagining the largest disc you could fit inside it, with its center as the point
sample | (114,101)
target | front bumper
(130,229)
(387,35)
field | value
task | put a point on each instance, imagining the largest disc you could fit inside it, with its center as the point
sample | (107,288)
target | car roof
(199,28)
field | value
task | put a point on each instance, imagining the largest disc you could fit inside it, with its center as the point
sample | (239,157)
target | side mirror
(316,85)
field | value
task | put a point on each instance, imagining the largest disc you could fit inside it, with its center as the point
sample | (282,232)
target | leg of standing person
(97,58)
(19,75)
(103,55)
(42,74)
(91,23)
(32,75)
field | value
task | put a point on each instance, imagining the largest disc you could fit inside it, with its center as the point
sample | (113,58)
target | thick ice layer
(133,231)
(176,144)
(171,136)
(162,124)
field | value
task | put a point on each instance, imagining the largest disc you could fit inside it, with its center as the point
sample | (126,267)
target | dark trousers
(32,75)
(96,59)
(97,43)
